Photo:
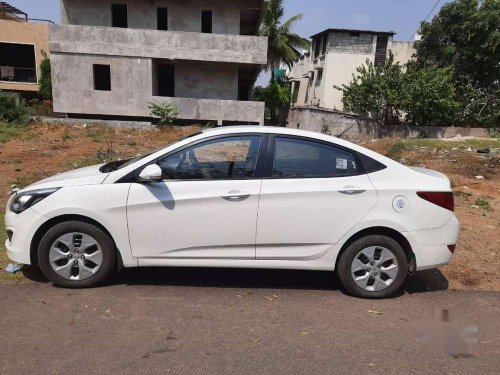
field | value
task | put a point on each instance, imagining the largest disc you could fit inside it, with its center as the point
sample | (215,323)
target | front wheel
(373,267)
(76,254)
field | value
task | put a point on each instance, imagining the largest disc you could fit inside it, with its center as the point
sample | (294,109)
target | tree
(428,96)
(283,45)
(465,36)
(392,93)
(375,91)
(45,79)
(277,98)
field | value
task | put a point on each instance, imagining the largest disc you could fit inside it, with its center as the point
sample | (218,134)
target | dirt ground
(43,150)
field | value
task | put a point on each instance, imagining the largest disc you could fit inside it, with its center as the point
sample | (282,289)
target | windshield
(119,164)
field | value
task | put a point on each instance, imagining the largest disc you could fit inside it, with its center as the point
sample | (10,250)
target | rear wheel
(76,254)
(373,267)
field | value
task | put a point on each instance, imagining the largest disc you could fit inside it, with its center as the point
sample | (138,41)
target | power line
(426,18)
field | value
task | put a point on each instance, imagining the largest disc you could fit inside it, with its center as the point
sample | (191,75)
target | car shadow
(425,281)
(227,278)
(420,282)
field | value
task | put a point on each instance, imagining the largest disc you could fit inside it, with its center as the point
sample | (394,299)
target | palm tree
(282,45)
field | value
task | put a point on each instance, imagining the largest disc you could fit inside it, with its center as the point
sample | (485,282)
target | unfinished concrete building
(110,58)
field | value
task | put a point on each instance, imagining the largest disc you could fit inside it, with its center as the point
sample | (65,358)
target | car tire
(90,252)
(381,277)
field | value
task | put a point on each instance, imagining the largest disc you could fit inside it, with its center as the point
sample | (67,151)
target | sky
(400,16)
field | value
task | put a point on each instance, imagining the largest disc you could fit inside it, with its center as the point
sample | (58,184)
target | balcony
(173,45)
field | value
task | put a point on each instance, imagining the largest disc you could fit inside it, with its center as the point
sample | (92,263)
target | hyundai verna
(241,197)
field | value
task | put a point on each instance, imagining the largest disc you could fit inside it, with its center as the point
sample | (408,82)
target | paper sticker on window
(341,163)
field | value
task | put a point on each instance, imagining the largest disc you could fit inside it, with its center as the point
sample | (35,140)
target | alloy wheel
(374,268)
(75,256)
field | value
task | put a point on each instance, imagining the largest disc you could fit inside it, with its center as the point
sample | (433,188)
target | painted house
(24,43)
(335,55)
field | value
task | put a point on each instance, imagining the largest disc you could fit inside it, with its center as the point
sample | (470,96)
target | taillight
(452,248)
(442,199)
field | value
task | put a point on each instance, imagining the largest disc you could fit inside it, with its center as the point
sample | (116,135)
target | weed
(65,136)
(20,182)
(462,194)
(82,162)
(104,155)
(483,203)
(397,150)
(9,132)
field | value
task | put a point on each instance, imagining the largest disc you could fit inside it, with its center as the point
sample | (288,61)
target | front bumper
(23,227)
(430,246)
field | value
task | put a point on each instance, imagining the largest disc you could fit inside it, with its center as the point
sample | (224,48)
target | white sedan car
(243,197)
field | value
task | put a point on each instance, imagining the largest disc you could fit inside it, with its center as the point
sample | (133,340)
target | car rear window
(297,158)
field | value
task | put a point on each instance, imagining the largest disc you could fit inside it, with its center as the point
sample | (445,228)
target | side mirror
(151,173)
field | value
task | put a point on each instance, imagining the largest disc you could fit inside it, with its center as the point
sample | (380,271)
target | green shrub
(13,109)
(45,82)
(164,112)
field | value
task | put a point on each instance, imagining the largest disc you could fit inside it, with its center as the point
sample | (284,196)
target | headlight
(23,201)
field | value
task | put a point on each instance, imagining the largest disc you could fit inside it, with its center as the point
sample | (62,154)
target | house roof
(354,31)
(6,8)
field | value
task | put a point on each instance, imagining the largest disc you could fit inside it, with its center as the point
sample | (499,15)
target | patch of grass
(397,150)
(483,203)
(9,132)
(84,161)
(20,181)
(447,145)
(101,133)
(462,194)
(65,136)
(4,260)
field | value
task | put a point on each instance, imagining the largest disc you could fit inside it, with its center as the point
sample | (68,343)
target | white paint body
(284,223)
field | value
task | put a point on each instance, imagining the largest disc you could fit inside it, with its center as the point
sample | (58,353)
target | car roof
(261,129)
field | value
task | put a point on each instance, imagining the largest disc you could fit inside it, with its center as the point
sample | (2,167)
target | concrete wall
(206,80)
(158,44)
(26,33)
(346,43)
(355,128)
(202,93)
(183,15)
(402,51)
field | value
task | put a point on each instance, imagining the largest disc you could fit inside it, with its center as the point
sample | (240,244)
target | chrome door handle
(351,190)
(236,196)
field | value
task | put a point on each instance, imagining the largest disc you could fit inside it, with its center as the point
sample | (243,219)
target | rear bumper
(431,245)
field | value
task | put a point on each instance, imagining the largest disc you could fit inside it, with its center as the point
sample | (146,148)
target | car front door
(204,207)
(314,194)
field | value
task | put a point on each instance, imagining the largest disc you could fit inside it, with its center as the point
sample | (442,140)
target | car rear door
(313,194)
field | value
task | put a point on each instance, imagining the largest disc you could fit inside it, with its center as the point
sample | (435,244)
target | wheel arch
(40,232)
(384,231)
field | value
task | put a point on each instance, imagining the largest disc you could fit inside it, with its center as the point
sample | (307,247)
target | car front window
(232,157)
